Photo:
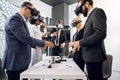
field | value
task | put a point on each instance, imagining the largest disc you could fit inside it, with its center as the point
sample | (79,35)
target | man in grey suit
(92,44)
(17,53)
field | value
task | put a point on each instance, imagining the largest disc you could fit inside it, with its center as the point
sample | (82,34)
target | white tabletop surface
(64,70)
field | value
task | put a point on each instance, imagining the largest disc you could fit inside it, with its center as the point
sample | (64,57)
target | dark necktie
(57,37)
(57,41)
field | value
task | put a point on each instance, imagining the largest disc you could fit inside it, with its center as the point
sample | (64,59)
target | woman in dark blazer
(77,36)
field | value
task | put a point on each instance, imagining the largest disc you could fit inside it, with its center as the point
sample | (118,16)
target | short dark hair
(90,2)
(59,21)
(26,4)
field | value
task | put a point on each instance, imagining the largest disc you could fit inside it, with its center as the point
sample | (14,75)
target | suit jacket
(93,38)
(77,36)
(61,37)
(18,44)
(56,50)
(78,55)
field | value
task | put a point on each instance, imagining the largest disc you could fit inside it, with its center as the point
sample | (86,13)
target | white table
(63,70)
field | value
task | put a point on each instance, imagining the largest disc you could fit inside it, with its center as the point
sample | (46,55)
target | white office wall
(112,41)
(45,9)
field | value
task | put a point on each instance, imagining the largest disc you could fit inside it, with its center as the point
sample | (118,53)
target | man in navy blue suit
(17,53)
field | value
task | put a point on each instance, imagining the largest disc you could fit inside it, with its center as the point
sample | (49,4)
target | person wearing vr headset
(36,33)
(17,55)
(92,43)
(59,38)
(77,36)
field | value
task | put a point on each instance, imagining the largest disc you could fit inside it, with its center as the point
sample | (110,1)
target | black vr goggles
(34,11)
(35,16)
(74,23)
(78,10)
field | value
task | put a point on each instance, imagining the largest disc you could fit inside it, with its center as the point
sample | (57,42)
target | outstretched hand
(49,44)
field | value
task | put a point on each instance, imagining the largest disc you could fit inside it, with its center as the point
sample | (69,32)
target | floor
(115,75)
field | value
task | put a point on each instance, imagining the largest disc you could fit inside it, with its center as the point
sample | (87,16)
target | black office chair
(2,72)
(107,67)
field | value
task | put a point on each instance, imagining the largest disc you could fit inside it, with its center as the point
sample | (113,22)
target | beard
(26,18)
(85,12)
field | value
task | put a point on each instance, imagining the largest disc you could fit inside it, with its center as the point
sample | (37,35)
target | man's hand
(62,45)
(73,51)
(49,44)
(55,34)
(71,44)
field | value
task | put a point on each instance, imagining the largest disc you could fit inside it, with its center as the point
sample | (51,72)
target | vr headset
(34,11)
(78,10)
(74,23)
(35,16)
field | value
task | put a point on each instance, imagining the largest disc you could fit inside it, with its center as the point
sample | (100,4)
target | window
(6,10)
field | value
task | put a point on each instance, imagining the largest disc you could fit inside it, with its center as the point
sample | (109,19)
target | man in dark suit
(92,44)
(17,53)
(58,39)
